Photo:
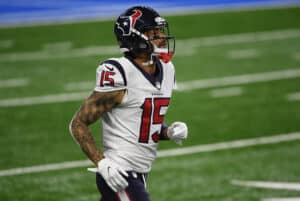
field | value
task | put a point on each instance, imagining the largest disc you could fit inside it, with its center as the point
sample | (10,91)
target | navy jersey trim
(157,77)
(119,67)
(163,127)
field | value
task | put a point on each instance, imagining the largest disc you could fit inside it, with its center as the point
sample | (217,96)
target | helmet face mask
(140,30)
(163,44)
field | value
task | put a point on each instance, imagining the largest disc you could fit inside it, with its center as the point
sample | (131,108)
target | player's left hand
(112,174)
(177,132)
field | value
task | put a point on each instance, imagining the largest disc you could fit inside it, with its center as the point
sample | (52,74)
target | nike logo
(109,68)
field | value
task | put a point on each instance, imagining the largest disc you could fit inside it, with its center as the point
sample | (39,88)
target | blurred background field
(246,61)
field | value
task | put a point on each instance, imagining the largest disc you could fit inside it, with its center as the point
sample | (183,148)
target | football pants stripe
(123,196)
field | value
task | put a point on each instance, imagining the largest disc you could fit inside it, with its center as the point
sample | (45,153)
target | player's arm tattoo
(89,112)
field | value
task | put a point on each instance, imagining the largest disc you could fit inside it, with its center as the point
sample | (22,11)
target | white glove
(112,174)
(177,132)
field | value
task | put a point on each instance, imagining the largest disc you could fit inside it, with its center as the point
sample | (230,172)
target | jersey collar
(156,78)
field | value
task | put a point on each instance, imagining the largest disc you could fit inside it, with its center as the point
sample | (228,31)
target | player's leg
(106,193)
(135,191)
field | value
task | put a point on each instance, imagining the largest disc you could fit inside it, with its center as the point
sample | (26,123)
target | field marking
(45,168)
(85,85)
(165,153)
(293,96)
(184,47)
(16,82)
(296,56)
(239,79)
(71,53)
(189,46)
(282,199)
(226,92)
(231,145)
(58,46)
(6,43)
(183,86)
(52,98)
(243,54)
(213,82)
(268,185)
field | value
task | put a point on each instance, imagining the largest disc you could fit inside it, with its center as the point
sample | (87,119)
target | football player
(131,96)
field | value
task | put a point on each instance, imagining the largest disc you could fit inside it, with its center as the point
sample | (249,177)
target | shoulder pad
(110,76)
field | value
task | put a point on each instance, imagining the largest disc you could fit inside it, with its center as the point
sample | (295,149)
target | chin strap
(165,57)
(148,63)
(163,54)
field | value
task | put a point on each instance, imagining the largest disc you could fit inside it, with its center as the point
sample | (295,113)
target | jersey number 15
(152,115)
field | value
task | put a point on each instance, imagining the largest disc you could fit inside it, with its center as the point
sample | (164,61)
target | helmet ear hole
(141,46)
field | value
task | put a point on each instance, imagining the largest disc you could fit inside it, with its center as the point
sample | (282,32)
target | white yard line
(282,199)
(296,56)
(53,98)
(6,43)
(71,53)
(294,96)
(75,86)
(212,82)
(247,37)
(268,185)
(231,145)
(239,79)
(17,82)
(183,86)
(184,47)
(226,92)
(165,153)
(45,168)
(243,54)
(189,46)
(58,46)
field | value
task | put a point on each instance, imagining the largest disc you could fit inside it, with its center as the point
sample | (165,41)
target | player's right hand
(112,174)
(178,132)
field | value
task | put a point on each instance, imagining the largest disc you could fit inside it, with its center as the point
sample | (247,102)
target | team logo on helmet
(126,23)
(136,15)
(123,25)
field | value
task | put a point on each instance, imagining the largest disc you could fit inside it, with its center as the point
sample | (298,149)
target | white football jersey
(130,132)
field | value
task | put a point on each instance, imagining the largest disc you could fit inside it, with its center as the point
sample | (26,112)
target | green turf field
(42,67)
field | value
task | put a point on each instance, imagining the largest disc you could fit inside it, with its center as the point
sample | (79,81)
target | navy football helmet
(130,29)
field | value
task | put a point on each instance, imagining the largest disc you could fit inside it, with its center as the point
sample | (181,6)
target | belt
(141,176)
